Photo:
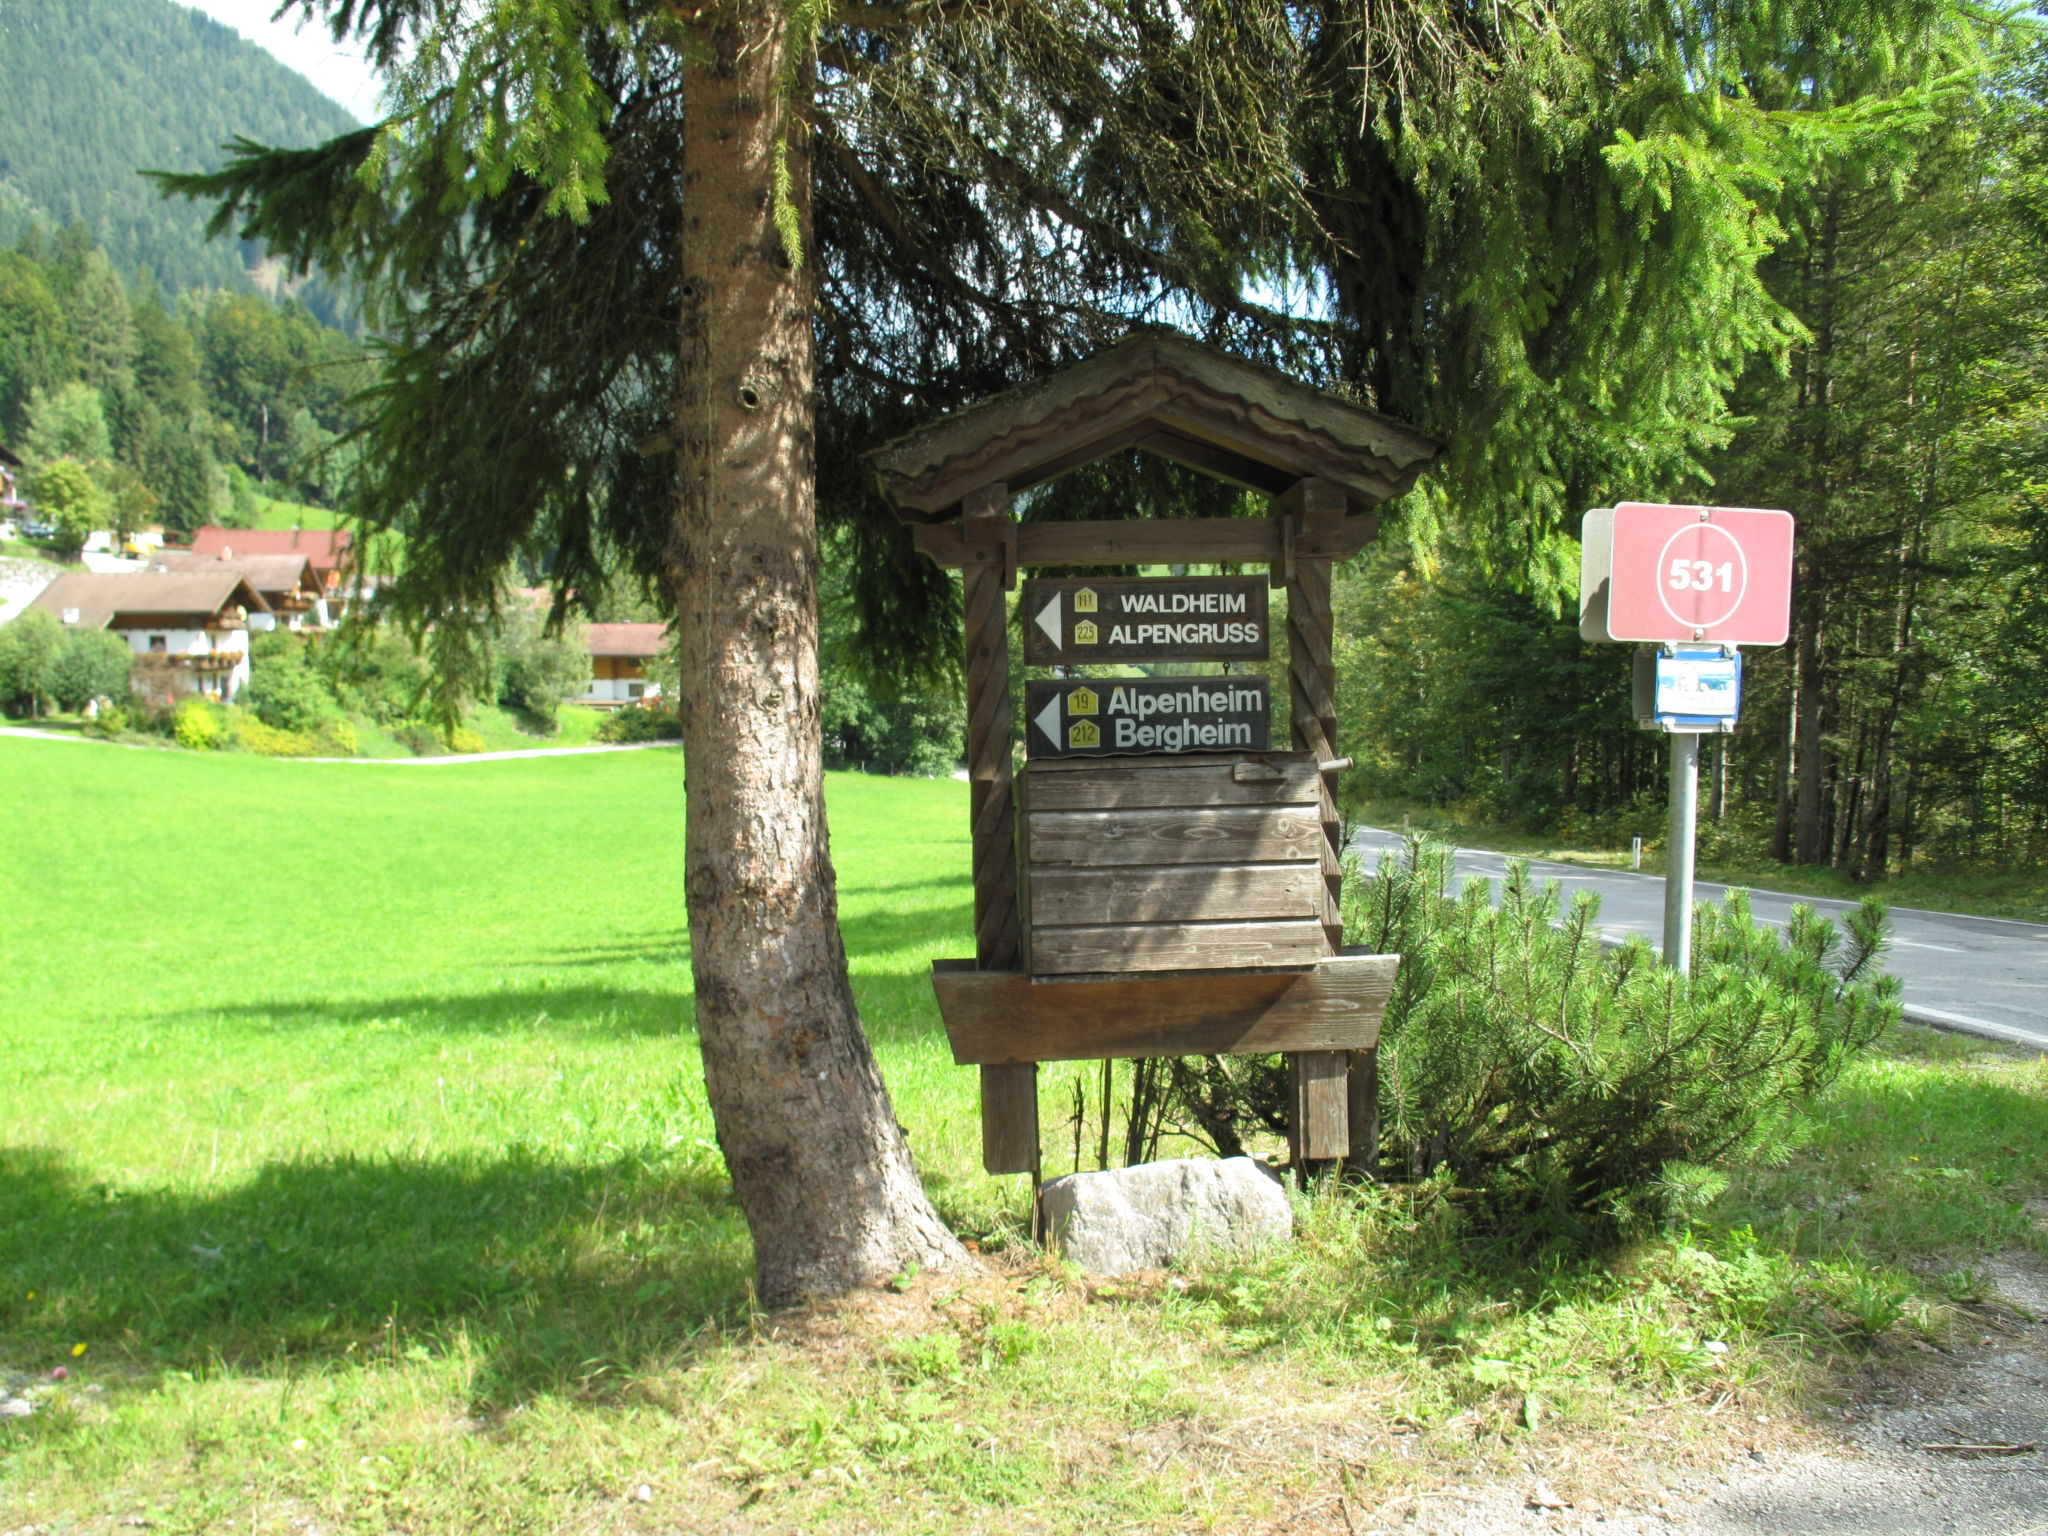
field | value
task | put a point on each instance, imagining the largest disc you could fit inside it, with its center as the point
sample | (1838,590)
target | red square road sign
(1714,574)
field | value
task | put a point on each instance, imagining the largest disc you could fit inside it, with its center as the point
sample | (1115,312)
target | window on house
(157,642)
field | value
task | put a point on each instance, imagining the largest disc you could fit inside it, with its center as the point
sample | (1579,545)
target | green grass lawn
(354,1164)
(42,554)
(273,512)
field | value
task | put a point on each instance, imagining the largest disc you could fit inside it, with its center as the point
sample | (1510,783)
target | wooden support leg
(1009,1094)
(1321,1111)
(1362,1161)
(1009,1118)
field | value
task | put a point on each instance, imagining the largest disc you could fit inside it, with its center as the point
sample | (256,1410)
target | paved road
(1983,975)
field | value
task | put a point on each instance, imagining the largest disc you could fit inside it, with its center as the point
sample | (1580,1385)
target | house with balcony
(330,550)
(293,591)
(620,655)
(189,630)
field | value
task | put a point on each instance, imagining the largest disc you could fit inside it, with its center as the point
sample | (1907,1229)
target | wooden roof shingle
(1163,392)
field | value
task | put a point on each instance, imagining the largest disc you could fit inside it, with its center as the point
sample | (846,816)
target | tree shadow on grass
(553,992)
(558,1277)
(539,1005)
(869,934)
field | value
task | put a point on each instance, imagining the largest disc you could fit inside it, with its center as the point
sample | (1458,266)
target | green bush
(285,690)
(462,738)
(631,725)
(252,735)
(380,675)
(112,720)
(536,672)
(1576,1089)
(341,737)
(911,731)
(197,725)
(1521,1057)
(29,648)
(90,664)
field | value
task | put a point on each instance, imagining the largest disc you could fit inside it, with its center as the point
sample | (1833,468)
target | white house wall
(197,642)
(607,690)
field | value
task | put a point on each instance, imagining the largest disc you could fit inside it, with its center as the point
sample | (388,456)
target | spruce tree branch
(911,14)
(934,263)
(1022,182)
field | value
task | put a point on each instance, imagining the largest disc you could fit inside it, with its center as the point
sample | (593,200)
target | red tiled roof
(325,547)
(637,640)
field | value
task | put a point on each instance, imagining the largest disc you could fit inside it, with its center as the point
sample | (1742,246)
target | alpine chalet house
(330,550)
(619,658)
(189,630)
(291,589)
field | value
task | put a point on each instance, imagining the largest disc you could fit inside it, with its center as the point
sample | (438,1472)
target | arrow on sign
(1048,719)
(1049,621)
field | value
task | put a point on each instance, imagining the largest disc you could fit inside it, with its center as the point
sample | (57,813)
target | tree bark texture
(818,1162)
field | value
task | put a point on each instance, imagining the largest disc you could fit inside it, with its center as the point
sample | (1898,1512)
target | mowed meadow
(355,1174)
(379,1035)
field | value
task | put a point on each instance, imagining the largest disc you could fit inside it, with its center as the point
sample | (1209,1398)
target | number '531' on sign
(1654,572)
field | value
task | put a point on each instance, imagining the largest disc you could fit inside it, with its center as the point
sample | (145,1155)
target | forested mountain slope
(92,91)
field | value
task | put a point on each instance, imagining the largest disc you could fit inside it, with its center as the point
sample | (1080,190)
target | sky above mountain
(339,71)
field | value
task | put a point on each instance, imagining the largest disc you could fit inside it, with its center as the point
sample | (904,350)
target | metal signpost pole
(1685,798)
(1690,584)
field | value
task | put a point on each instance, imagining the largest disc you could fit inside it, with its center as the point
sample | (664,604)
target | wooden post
(1009,1094)
(1319,1107)
(1009,1118)
(1321,1116)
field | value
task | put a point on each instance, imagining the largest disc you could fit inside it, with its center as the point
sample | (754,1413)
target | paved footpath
(1982,975)
(453,757)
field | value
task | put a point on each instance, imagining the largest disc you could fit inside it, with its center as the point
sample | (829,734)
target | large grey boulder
(1155,1214)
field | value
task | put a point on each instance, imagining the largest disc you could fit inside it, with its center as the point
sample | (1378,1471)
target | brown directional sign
(1196,618)
(1107,715)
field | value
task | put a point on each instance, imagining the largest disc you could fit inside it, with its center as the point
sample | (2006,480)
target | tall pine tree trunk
(1809,831)
(1809,837)
(818,1162)
(1781,828)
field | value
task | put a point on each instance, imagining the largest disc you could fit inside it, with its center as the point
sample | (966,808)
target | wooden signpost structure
(1166,883)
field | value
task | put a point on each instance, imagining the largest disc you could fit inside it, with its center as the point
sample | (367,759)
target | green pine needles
(1548,1076)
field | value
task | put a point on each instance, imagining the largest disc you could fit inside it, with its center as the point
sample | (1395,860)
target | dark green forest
(93,92)
(1903,426)
(132,406)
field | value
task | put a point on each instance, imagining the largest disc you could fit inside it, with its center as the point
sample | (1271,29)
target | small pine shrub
(1526,1060)
(1579,1090)
(631,725)
(112,720)
(462,738)
(196,726)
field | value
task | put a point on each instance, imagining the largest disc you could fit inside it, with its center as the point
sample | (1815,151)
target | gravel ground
(1875,1472)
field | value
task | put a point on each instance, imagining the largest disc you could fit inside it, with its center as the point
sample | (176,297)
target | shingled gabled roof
(1159,391)
(266,573)
(634,641)
(96,598)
